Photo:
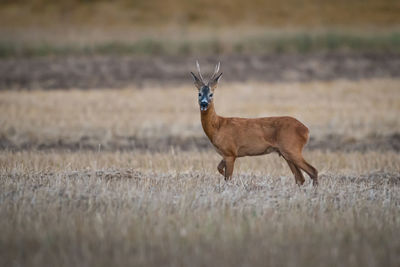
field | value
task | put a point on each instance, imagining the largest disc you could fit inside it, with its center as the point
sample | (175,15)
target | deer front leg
(229,163)
(221,167)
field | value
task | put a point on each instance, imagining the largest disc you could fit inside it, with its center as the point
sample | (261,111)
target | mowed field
(127,177)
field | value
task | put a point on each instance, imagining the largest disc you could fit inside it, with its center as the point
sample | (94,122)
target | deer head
(206,90)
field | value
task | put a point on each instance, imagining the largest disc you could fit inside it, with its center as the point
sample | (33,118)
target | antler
(215,71)
(199,81)
(199,71)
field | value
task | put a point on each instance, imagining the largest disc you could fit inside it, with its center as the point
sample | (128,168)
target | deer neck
(210,121)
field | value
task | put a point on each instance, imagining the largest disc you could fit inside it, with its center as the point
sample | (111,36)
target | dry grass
(121,209)
(354,109)
(141,208)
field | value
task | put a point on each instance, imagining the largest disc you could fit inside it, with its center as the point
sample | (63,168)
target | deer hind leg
(298,176)
(229,163)
(308,168)
(221,167)
(300,163)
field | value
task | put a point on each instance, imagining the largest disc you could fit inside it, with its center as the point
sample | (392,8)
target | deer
(234,137)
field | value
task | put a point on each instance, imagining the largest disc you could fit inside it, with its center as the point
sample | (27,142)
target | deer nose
(204,104)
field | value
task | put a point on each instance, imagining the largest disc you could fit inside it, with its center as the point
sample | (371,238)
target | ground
(97,177)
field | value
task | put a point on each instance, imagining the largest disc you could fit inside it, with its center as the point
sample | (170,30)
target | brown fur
(239,137)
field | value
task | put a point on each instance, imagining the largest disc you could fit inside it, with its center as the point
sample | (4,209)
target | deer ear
(197,82)
(214,81)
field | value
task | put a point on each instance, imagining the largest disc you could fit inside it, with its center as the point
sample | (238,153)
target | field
(97,178)
(103,160)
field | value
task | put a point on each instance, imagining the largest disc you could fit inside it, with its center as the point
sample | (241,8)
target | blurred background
(103,44)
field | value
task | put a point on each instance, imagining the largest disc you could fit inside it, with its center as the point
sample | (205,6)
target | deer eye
(199,94)
(211,95)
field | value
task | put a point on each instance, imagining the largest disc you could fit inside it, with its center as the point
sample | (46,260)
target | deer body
(240,137)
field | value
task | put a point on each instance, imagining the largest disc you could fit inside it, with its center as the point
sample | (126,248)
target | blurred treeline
(192,27)
(208,13)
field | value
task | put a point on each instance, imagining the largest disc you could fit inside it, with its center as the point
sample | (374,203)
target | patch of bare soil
(131,143)
(122,71)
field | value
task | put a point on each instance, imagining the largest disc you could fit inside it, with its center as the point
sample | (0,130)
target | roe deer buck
(239,137)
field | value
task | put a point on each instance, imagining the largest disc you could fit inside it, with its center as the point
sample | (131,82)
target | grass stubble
(171,208)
